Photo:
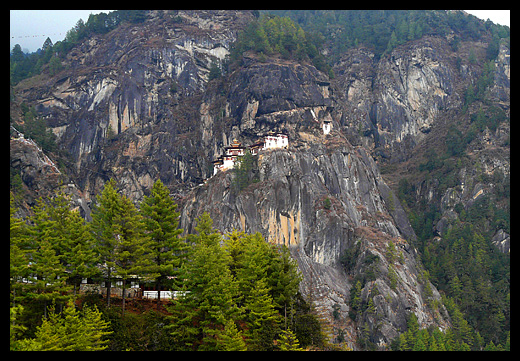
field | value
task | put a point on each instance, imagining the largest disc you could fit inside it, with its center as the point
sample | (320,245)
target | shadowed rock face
(133,92)
(136,105)
(397,99)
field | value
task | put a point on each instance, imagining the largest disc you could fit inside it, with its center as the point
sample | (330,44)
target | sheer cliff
(138,104)
(133,90)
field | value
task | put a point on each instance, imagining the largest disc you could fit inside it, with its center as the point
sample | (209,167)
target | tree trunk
(158,286)
(124,289)
(109,286)
(285,314)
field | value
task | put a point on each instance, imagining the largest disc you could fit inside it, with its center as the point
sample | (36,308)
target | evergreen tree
(284,279)
(74,331)
(288,341)
(19,263)
(15,329)
(47,44)
(392,275)
(261,317)
(74,245)
(422,342)
(456,288)
(403,343)
(355,301)
(253,260)
(131,255)
(391,251)
(231,339)
(47,276)
(437,341)
(104,229)
(392,43)
(254,263)
(234,244)
(161,221)
(210,291)
(462,331)
(81,256)
(412,330)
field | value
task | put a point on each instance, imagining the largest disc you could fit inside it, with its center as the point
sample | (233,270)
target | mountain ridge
(136,104)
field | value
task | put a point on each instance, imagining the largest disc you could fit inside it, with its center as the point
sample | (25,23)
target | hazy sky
(30,28)
(502,17)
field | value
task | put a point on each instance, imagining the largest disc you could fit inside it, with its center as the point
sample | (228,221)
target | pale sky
(502,17)
(30,28)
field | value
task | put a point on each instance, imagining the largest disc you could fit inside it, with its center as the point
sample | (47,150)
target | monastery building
(235,150)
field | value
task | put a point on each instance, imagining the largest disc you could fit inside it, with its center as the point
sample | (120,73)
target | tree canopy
(233,292)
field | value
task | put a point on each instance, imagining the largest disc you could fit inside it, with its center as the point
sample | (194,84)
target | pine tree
(391,252)
(462,331)
(210,291)
(437,341)
(218,294)
(371,307)
(19,263)
(392,275)
(15,329)
(74,331)
(422,341)
(456,288)
(392,43)
(47,276)
(288,341)
(81,256)
(355,300)
(104,230)
(254,263)
(261,317)
(231,339)
(234,246)
(412,331)
(449,343)
(283,279)
(47,44)
(161,221)
(131,255)
(403,343)
(74,245)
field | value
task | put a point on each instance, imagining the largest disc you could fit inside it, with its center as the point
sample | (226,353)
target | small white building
(275,140)
(235,150)
(327,126)
(228,160)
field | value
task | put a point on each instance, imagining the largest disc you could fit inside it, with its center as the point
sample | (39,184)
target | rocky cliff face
(402,105)
(288,206)
(396,100)
(129,95)
(289,203)
(136,105)
(40,176)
